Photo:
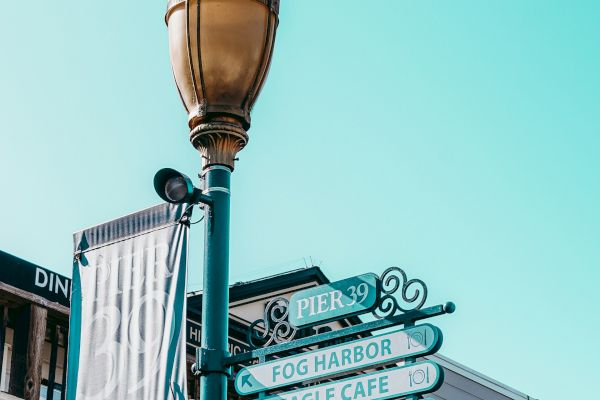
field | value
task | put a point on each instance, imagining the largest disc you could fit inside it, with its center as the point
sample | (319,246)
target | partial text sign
(423,377)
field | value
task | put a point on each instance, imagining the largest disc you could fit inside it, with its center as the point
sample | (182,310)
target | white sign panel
(416,378)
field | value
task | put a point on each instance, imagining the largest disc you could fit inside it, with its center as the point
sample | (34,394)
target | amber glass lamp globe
(220,53)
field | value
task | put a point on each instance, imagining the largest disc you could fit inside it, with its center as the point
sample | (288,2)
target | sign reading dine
(34,279)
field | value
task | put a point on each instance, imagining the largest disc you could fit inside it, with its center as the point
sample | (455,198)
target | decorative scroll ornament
(399,294)
(274,325)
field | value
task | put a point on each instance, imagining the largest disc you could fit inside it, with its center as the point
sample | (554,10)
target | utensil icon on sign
(417,339)
(418,377)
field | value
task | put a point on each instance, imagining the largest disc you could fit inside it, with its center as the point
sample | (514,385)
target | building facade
(34,305)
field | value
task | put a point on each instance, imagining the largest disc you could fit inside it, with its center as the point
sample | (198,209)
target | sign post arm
(413,316)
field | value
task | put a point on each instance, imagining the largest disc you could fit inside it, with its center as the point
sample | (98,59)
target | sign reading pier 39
(341,299)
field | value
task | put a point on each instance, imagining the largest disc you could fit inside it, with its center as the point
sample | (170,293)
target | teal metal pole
(215,297)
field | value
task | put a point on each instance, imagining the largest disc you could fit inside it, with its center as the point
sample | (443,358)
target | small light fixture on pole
(174,187)
(220,54)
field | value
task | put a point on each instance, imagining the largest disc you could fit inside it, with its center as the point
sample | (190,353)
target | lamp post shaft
(215,297)
(220,55)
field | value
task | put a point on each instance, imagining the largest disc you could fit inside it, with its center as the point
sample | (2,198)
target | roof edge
(478,377)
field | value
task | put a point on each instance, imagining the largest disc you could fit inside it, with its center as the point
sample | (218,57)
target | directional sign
(424,377)
(359,354)
(352,296)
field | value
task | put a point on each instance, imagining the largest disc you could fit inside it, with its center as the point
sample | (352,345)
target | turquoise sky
(457,139)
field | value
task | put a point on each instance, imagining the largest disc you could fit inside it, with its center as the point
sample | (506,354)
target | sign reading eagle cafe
(381,365)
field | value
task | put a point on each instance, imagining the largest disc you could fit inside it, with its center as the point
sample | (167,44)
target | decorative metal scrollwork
(274,325)
(395,295)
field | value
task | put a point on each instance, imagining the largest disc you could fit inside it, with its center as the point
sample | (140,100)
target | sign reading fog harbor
(392,299)
(368,352)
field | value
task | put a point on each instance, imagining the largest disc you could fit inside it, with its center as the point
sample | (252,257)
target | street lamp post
(220,53)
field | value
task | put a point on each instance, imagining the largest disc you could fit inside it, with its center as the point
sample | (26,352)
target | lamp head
(174,187)
(220,54)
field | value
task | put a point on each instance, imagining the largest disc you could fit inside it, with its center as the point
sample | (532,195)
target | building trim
(34,298)
(478,377)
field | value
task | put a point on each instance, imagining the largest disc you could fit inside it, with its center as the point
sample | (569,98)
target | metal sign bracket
(209,361)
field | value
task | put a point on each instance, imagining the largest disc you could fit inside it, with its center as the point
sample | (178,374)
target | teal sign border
(436,344)
(369,303)
(435,386)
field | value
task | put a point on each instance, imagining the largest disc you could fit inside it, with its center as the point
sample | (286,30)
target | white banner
(128,309)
